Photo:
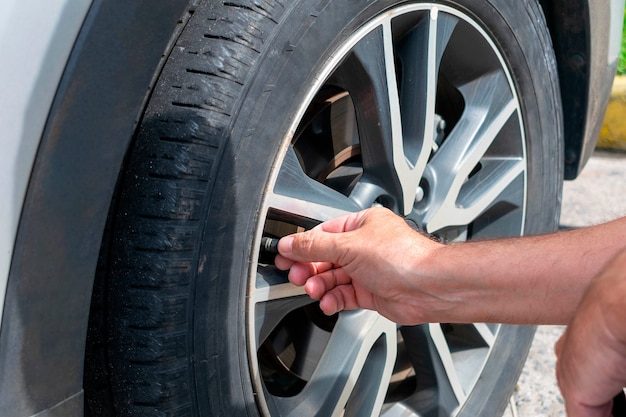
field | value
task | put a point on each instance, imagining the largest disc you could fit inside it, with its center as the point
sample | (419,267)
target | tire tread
(147,299)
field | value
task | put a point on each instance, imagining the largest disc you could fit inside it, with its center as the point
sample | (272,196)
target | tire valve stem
(269,245)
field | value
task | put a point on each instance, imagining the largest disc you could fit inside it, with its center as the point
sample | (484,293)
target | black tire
(214,145)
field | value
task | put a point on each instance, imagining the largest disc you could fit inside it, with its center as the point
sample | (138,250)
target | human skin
(374,260)
(591,364)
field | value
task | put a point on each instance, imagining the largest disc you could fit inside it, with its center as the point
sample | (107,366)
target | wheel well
(569,25)
(104,85)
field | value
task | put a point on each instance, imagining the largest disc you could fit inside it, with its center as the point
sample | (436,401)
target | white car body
(37,39)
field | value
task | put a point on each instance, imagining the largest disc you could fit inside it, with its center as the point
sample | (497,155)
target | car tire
(237,142)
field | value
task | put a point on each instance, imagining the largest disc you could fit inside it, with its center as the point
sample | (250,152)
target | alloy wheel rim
(445,150)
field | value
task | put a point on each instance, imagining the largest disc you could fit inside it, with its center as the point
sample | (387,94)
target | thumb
(320,244)
(311,246)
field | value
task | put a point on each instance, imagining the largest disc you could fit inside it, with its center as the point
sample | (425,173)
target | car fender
(93,116)
(587,55)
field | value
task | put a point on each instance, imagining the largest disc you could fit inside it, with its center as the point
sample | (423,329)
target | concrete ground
(598,195)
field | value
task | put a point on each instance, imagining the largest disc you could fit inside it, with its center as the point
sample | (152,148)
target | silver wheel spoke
(485,333)
(367,342)
(272,284)
(273,297)
(396,143)
(490,105)
(377,106)
(420,54)
(470,354)
(298,195)
(443,350)
(495,175)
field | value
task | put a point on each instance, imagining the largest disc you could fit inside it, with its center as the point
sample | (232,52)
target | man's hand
(372,259)
(591,365)
(365,260)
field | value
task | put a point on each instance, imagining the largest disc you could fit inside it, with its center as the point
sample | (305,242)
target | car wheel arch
(94,113)
(582,66)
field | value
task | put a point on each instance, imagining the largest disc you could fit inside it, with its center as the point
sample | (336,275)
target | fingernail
(285,245)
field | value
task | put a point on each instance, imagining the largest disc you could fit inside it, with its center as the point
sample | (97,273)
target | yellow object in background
(613,133)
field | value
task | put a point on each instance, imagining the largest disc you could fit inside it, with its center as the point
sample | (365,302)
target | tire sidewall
(280,78)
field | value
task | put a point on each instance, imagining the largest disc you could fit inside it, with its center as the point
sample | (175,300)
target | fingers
(283,263)
(326,241)
(319,259)
(318,285)
(301,272)
(584,395)
(590,374)
(577,410)
(339,299)
(585,376)
(332,286)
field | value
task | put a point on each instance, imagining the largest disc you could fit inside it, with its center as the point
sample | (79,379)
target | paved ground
(598,195)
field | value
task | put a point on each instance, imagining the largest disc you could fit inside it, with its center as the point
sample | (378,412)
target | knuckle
(304,242)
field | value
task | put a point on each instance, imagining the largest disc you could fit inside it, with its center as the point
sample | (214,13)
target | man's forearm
(537,279)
